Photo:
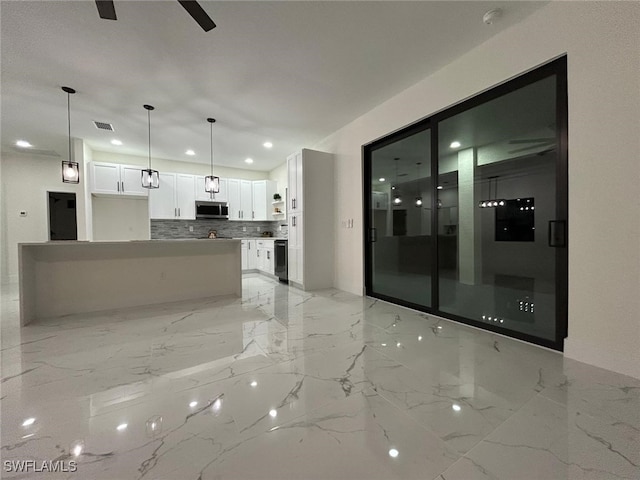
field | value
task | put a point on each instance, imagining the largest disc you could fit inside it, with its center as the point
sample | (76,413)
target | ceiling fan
(534,143)
(107,10)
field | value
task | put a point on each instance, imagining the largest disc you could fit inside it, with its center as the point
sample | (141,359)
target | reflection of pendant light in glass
(211,183)
(492,202)
(70,169)
(419,197)
(397,200)
(150,178)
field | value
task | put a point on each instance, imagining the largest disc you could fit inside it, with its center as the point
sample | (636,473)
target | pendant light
(492,202)
(419,197)
(150,178)
(70,169)
(397,199)
(211,183)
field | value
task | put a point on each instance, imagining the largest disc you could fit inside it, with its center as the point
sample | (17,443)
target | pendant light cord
(69,122)
(211,150)
(149,124)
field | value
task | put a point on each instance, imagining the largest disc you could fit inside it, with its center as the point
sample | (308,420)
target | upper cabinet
(250,200)
(263,191)
(240,198)
(117,179)
(175,199)
(221,196)
(294,172)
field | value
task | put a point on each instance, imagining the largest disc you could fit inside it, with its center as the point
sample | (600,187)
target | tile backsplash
(162,229)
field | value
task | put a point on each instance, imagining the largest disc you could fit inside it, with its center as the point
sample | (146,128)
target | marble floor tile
(283,383)
(546,439)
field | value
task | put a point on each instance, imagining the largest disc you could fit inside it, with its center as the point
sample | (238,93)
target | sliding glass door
(400,219)
(485,243)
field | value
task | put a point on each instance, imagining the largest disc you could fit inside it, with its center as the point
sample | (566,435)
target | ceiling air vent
(103,126)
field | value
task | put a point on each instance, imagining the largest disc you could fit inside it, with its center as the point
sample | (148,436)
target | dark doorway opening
(63,223)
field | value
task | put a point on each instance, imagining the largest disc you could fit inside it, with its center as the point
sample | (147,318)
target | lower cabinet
(258,255)
(249,254)
(265,250)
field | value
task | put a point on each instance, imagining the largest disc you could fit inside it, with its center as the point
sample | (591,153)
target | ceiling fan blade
(106,9)
(534,140)
(199,15)
(531,147)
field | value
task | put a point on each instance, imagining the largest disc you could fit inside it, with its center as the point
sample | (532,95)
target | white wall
(25,183)
(279,174)
(120,219)
(601,40)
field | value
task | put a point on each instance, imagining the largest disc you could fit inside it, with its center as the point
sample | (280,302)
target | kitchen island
(69,277)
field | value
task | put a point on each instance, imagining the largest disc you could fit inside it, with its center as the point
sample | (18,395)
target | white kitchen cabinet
(294,174)
(116,179)
(263,191)
(186,196)
(264,252)
(252,255)
(174,199)
(310,219)
(246,199)
(221,196)
(244,252)
(240,199)
(249,254)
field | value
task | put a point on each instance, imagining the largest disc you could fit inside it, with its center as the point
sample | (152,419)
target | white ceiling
(287,72)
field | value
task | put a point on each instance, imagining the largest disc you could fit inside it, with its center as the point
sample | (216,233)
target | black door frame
(557,67)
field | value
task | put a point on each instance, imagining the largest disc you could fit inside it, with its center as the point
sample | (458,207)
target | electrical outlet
(23,213)
(258,229)
(191,228)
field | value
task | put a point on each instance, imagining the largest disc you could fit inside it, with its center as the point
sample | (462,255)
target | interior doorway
(63,222)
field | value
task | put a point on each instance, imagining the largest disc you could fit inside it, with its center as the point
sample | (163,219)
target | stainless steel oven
(281,268)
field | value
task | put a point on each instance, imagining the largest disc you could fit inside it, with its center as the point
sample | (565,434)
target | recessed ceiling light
(381,179)
(121,427)
(190,152)
(267,144)
(23,144)
(455,144)
(273,413)
(393,453)
(439,187)
(249,160)
(115,141)
(193,404)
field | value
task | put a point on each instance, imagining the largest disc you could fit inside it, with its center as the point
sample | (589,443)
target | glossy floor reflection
(288,384)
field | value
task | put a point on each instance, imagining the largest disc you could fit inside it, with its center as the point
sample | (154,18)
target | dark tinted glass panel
(401,219)
(497,170)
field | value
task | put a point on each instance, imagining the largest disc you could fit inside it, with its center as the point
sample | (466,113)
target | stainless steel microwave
(212,210)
